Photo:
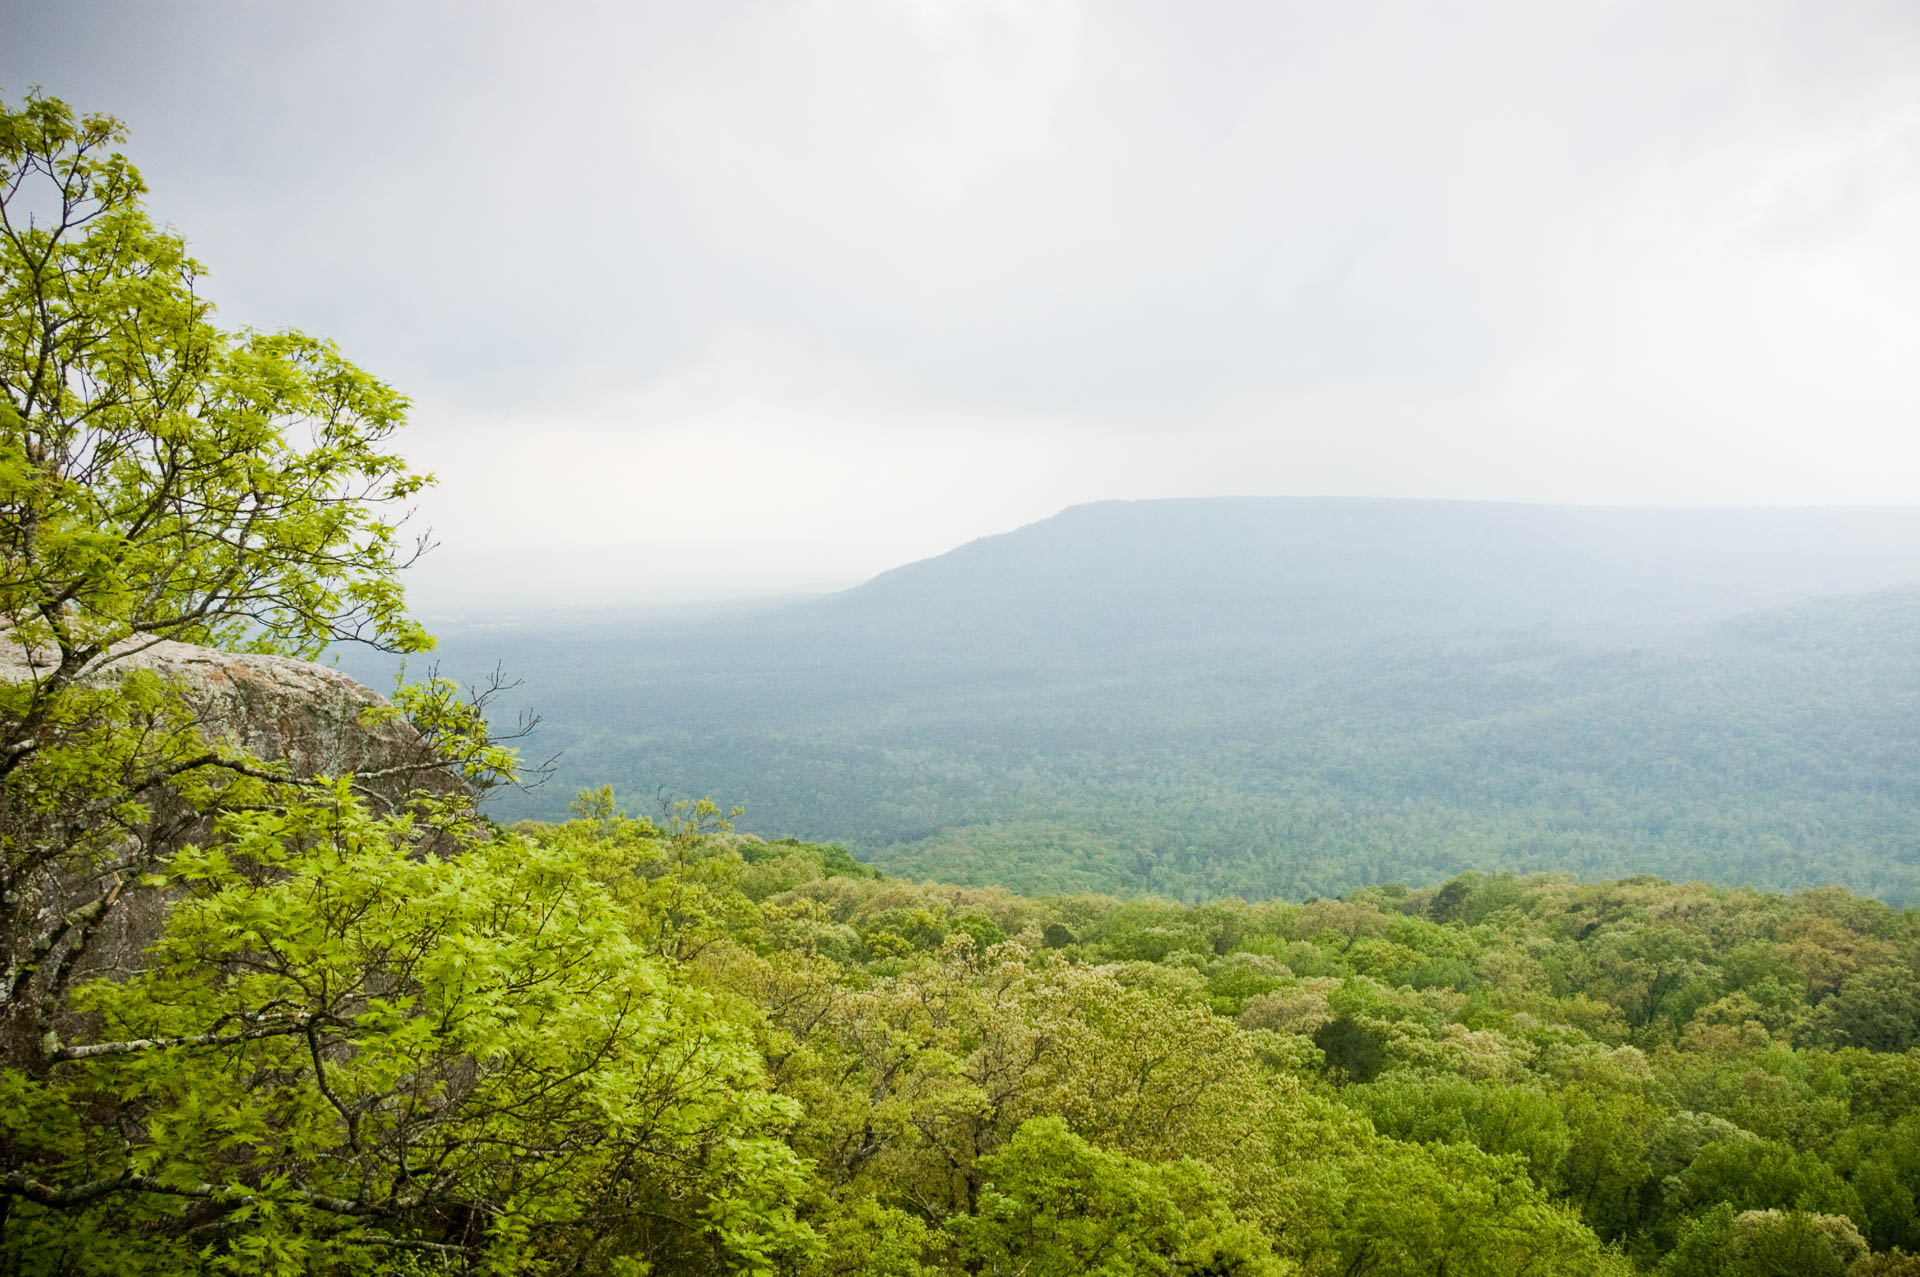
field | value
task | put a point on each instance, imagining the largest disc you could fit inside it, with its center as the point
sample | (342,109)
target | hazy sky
(709,298)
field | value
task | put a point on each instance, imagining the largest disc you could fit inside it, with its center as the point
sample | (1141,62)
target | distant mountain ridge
(1268,696)
(1479,564)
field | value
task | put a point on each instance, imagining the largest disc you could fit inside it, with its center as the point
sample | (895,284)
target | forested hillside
(1296,697)
(1498,1075)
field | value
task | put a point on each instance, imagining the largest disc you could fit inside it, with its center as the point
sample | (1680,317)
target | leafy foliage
(1055,1206)
(1578,1079)
(367,1037)
(159,480)
(396,1038)
(339,1047)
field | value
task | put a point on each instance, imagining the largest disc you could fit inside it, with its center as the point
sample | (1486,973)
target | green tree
(1878,1008)
(163,477)
(1055,1206)
(1494,1117)
(1764,1243)
(160,479)
(1355,1052)
(1448,1210)
(363,1040)
(1754,1174)
(341,1051)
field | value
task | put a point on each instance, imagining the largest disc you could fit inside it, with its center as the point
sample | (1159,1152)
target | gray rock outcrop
(306,718)
(310,717)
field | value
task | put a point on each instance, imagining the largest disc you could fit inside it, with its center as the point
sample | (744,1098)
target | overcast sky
(709,299)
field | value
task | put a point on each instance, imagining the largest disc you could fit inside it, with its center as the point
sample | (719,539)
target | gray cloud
(957,264)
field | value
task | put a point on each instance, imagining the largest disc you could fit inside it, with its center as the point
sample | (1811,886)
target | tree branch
(98,1050)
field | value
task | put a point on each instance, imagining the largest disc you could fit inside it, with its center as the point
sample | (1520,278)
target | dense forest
(1460,1079)
(812,1068)
(1117,738)
(1498,1075)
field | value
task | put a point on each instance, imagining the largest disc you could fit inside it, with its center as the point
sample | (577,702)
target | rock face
(310,718)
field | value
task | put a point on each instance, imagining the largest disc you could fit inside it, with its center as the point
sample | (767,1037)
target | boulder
(310,718)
